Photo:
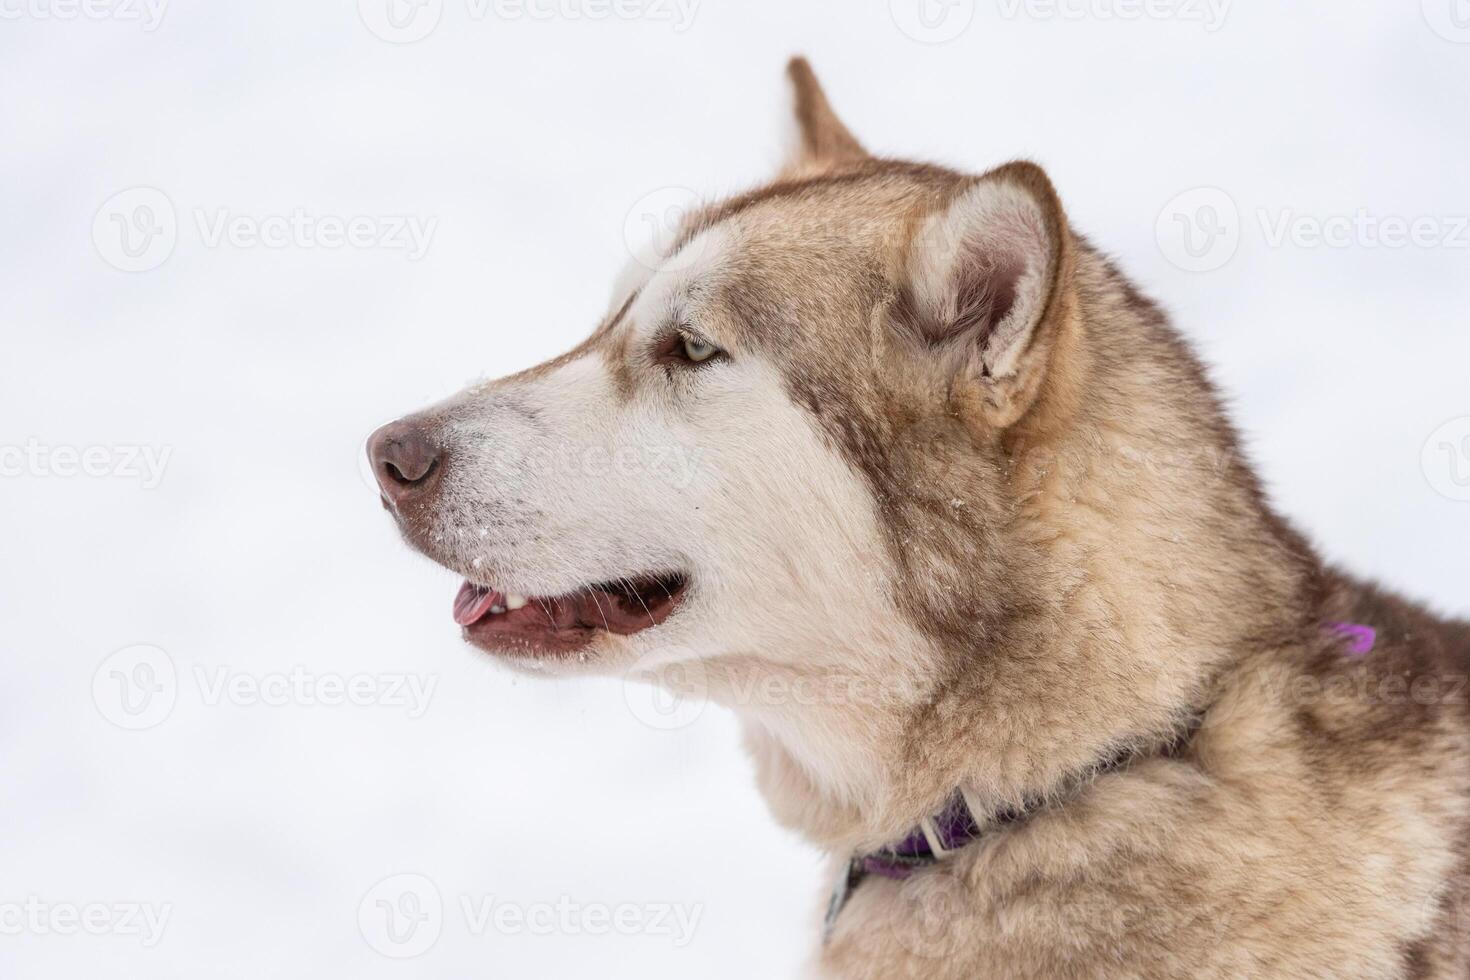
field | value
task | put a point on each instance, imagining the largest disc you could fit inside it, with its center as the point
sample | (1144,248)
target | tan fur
(825,141)
(1076,560)
(1299,835)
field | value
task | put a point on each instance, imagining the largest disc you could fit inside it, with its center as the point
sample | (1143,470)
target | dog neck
(1143,561)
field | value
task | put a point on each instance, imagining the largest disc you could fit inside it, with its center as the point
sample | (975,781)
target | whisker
(639,597)
(593,593)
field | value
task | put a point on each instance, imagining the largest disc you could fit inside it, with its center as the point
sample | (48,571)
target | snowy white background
(531,142)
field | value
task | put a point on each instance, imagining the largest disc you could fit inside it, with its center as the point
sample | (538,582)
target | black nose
(403,459)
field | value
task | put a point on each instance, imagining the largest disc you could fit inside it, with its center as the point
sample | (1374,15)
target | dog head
(915,477)
(750,454)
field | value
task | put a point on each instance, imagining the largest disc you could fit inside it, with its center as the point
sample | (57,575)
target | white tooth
(497,609)
(514,601)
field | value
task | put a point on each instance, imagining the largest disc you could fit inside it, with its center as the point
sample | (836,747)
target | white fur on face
(541,471)
(556,481)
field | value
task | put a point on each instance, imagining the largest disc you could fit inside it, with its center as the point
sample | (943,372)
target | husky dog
(894,463)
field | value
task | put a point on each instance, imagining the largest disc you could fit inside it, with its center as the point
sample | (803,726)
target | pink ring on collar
(1364,638)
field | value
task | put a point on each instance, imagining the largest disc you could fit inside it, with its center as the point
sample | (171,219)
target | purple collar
(959,824)
(935,838)
(932,840)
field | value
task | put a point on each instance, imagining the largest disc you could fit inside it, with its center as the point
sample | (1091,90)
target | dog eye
(684,348)
(696,349)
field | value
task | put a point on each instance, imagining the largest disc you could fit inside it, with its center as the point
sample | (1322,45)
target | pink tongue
(473,602)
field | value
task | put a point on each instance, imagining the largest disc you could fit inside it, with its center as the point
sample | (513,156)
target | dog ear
(823,141)
(988,287)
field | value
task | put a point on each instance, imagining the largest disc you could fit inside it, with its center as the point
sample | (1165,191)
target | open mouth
(501,621)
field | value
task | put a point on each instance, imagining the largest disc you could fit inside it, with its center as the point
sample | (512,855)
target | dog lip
(564,624)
